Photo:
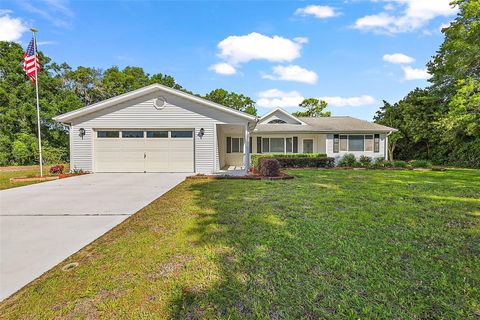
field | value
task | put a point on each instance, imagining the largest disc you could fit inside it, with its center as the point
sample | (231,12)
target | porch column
(246,142)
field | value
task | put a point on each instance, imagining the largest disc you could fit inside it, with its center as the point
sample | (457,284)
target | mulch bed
(45,178)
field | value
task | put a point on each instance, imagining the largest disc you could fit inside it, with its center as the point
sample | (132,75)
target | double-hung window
(235,145)
(279,145)
(356,142)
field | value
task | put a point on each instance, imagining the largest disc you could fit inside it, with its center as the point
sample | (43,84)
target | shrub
(58,169)
(269,167)
(255,157)
(365,161)
(348,160)
(53,155)
(306,162)
(420,163)
(399,164)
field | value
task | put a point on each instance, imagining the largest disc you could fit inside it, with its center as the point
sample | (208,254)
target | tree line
(441,123)
(63,89)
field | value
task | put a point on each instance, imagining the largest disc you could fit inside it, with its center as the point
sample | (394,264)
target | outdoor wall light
(81,132)
(201,132)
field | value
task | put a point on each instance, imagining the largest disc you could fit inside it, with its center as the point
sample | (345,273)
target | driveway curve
(42,224)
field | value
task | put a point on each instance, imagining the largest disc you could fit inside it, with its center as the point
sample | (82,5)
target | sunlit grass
(329,244)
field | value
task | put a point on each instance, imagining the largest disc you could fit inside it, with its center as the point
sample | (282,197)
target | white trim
(288,114)
(67,117)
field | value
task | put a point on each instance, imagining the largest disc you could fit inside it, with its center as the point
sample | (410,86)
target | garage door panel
(144,154)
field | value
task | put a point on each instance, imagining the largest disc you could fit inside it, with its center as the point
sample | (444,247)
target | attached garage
(144,150)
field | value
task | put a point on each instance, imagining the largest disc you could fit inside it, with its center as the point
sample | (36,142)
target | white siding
(141,114)
(357,154)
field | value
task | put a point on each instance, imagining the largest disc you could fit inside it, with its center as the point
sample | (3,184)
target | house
(160,129)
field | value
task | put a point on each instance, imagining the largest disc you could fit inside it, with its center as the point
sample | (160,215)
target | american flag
(30,61)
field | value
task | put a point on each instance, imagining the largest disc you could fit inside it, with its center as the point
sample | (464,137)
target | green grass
(21,171)
(329,244)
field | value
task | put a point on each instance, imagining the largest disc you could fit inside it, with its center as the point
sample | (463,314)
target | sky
(351,53)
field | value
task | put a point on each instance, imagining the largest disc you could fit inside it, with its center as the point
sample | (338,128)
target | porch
(233,143)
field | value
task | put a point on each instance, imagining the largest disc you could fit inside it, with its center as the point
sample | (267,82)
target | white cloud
(292,73)
(415,74)
(256,46)
(320,12)
(301,40)
(349,101)
(223,68)
(416,14)
(275,98)
(58,12)
(11,29)
(398,58)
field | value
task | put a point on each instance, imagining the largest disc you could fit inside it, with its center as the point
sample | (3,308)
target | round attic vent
(160,103)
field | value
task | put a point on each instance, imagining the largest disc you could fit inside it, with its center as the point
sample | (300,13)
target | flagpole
(38,106)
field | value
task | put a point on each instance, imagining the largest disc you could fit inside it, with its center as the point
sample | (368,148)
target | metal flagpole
(38,106)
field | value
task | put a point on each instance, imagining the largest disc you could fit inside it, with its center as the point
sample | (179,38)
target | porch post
(247,149)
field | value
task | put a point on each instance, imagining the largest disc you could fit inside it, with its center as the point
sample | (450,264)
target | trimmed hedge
(306,162)
(269,167)
(255,157)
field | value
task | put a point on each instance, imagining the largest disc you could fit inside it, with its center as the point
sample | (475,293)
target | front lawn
(329,244)
(21,171)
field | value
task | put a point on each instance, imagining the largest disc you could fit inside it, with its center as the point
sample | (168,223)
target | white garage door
(143,150)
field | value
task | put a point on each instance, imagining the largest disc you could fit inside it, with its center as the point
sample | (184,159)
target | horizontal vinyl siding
(180,113)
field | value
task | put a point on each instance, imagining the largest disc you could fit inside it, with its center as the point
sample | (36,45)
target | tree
(314,108)
(459,54)
(232,100)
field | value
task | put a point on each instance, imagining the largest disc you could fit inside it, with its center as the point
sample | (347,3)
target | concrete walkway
(42,224)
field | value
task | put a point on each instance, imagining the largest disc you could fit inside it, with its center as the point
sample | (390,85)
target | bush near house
(365,161)
(269,167)
(420,164)
(348,160)
(306,162)
(255,157)
(58,169)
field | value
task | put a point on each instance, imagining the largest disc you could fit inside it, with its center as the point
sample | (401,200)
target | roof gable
(148,90)
(280,115)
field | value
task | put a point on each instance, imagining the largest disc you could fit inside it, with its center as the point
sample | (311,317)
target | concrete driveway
(42,224)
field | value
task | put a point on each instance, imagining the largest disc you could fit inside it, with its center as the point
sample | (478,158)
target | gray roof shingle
(326,124)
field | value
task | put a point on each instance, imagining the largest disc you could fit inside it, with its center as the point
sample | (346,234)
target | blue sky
(354,53)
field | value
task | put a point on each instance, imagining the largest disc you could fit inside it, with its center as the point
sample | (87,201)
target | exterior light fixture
(81,132)
(201,132)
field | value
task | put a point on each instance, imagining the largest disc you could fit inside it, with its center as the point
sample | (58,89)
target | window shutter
(336,143)
(376,143)
(229,145)
(295,144)
(250,142)
(259,144)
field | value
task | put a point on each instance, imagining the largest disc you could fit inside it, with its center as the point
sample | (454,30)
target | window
(266,145)
(336,143)
(259,144)
(355,143)
(132,134)
(181,134)
(307,146)
(376,143)
(368,142)
(343,142)
(289,145)
(295,144)
(276,121)
(277,145)
(108,134)
(234,145)
(157,134)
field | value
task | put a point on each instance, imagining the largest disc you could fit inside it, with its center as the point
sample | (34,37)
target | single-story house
(160,129)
